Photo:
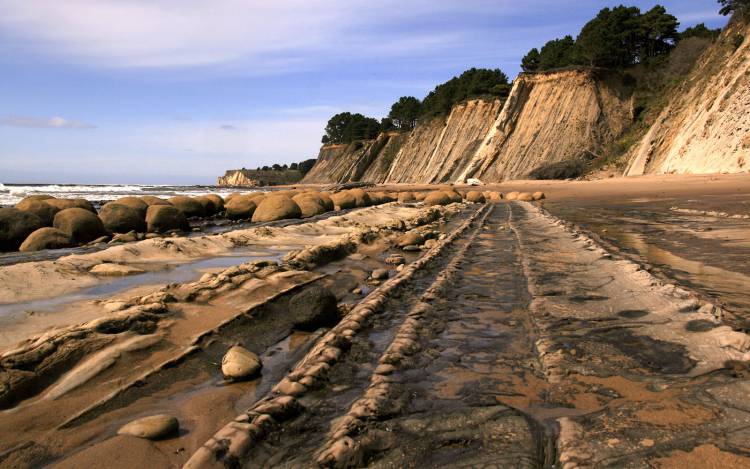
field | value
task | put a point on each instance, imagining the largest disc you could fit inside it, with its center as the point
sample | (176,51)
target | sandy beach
(537,321)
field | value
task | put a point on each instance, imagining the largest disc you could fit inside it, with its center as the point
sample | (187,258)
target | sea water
(10,194)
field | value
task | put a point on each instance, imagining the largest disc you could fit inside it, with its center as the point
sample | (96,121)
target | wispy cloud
(44,123)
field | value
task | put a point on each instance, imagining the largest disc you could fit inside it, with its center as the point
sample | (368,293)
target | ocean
(10,194)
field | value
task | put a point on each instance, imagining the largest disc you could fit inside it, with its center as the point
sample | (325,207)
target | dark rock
(188,206)
(122,219)
(40,208)
(313,308)
(241,207)
(81,225)
(62,204)
(164,218)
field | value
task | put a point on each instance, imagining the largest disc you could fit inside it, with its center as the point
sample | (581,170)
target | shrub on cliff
(405,112)
(741,7)
(472,83)
(346,127)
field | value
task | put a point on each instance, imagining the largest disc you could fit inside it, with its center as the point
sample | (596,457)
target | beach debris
(474,182)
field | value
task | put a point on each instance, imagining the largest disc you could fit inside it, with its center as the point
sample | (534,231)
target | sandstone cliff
(548,118)
(252,178)
(706,126)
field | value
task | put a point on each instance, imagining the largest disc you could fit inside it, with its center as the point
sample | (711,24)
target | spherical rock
(404,197)
(152,200)
(313,308)
(454,196)
(512,195)
(40,208)
(539,195)
(119,218)
(362,198)
(476,197)
(420,196)
(154,427)
(410,238)
(209,205)
(46,238)
(231,196)
(327,201)
(437,198)
(343,200)
(241,207)
(62,204)
(495,196)
(136,203)
(310,204)
(188,206)
(276,207)
(239,363)
(217,200)
(38,197)
(525,197)
(81,225)
(164,218)
(379,274)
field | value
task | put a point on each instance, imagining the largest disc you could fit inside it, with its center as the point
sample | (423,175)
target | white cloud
(167,33)
(37,123)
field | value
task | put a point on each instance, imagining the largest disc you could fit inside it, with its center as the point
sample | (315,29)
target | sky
(178,91)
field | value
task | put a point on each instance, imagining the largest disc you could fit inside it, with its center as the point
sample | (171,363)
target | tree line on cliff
(617,38)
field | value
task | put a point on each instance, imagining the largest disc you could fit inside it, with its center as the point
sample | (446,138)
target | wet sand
(522,335)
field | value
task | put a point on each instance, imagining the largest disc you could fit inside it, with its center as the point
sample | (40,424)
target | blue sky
(177,91)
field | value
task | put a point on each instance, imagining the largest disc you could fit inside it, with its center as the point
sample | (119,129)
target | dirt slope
(706,126)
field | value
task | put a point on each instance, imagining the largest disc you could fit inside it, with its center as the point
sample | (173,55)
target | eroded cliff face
(548,118)
(706,126)
(552,118)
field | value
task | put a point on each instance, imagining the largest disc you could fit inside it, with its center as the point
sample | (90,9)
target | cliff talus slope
(706,126)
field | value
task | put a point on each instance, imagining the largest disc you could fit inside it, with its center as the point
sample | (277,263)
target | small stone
(647,442)
(380,274)
(400,267)
(412,248)
(154,427)
(395,259)
(239,363)
(357,291)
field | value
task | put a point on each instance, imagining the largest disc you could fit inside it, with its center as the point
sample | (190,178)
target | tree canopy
(700,30)
(473,83)
(404,113)
(616,38)
(346,127)
(729,7)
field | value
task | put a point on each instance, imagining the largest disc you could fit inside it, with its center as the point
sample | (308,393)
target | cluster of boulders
(447,195)
(43,222)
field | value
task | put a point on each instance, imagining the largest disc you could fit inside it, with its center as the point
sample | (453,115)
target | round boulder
(62,204)
(437,198)
(240,363)
(154,427)
(361,197)
(404,197)
(241,207)
(525,197)
(475,197)
(454,196)
(209,205)
(81,225)
(276,207)
(539,195)
(135,203)
(40,208)
(231,196)
(343,200)
(118,218)
(164,218)
(188,206)
(38,197)
(217,200)
(495,196)
(153,200)
(46,238)
(412,238)
(512,195)
(313,308)
(16,226)
(310,204)
(327,201)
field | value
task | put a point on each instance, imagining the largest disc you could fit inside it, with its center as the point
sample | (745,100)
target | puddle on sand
(19,320)
(708,254)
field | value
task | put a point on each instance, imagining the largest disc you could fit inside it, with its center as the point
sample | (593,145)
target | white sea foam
(10,194)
